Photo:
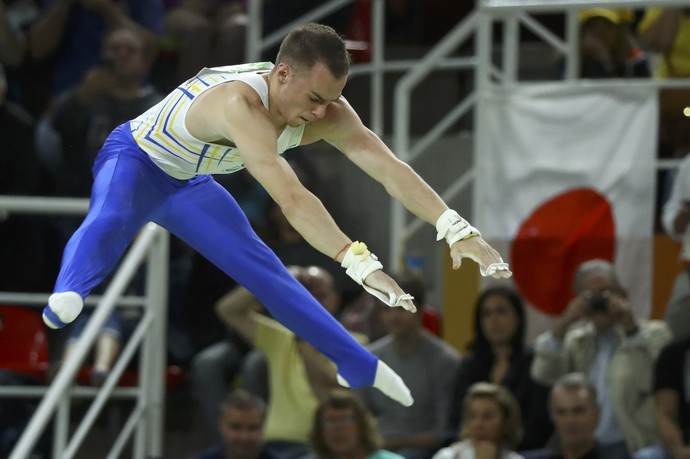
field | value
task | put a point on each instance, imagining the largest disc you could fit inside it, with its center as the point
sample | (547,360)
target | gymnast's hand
(477,249)
(392,294)
(465,240)
(366,269)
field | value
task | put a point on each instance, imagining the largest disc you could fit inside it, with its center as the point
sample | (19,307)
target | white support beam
(561,5)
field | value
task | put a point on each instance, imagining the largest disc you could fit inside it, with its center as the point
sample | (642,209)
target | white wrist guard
(359,262)
(454,228)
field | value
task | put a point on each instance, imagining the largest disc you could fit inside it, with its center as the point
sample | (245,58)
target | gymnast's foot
(388,382)
(62,309)
(391,384)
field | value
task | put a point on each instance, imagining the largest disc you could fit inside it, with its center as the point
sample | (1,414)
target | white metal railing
(478,25)
(499,6)
(147,417)
(400,229)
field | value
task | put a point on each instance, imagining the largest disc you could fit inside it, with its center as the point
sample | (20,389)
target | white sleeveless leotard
(162,134)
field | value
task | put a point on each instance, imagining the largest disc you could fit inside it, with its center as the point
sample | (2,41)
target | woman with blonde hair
(345,429)
(491,426)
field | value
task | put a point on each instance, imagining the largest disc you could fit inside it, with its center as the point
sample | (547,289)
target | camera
(598,302)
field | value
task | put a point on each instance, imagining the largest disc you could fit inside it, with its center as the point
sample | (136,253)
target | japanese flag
(566,174)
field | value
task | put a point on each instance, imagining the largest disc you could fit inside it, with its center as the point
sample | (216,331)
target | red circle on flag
(563,232)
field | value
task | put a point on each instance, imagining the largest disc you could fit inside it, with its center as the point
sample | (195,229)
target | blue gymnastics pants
(129,190)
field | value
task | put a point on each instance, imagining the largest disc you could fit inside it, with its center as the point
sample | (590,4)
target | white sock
(342,381)
(388,382)
(65,305)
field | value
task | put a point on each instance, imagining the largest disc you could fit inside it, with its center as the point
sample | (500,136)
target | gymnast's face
(303,96)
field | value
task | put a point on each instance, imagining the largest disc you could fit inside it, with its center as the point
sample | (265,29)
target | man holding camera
(613,348)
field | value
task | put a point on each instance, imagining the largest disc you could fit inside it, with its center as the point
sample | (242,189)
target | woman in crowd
(498,355)
(490,428)
(345,429)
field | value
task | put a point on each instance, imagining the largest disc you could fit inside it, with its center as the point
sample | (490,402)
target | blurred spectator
(13,46)
(345,429)
(676,211)
(71,32)
(574,410)
(211,33)
(491,425)
(403,18)
(364,315)
(667,32)
(607,45)
(24,264)
(672,394)
(72,132)
(278,13)
(675,217)
(19,171)
(498,355)
(299,376)
(427,365)
(15,415)
(12,42)
(677,312)
(108,343)
(613,348)
(205,33)
(28,80)
(241,426)
(208,33)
